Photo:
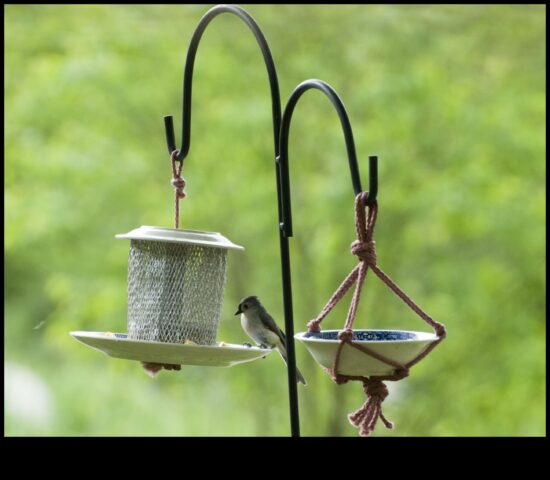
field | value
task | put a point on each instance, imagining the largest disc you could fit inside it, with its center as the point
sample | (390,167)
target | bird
(260,326)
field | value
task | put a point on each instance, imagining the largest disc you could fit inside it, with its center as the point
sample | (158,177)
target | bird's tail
(282,350)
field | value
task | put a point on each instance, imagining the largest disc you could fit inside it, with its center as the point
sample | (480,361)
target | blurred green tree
(452,98)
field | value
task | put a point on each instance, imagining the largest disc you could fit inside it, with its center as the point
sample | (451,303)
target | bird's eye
(245,306)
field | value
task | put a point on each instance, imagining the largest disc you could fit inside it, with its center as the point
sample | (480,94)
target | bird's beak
(238,311)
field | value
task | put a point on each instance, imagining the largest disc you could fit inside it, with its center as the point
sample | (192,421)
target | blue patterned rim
(369,335)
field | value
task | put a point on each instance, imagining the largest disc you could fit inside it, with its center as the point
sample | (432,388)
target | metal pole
(276,114)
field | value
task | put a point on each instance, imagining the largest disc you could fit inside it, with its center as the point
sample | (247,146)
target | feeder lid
(173,235)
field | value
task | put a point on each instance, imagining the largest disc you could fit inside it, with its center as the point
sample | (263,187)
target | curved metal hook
(188,79)
(350,146)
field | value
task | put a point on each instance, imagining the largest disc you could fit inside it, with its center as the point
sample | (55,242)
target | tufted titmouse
(260,326)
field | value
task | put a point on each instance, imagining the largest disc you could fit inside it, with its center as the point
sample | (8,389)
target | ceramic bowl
(398,345)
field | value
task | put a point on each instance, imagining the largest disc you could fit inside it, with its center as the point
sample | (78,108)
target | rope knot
(440,330)
(401,373)
(339,379)
(179,184)
(366,417)
(376,389)
(345,335)
(365,251)
(313,326)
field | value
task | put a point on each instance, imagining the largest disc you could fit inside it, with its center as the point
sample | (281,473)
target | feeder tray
(398,345)
(118,345)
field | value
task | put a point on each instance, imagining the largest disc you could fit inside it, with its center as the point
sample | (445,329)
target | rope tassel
(366,417)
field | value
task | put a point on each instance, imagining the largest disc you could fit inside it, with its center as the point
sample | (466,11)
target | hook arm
(350,147)
(188,79)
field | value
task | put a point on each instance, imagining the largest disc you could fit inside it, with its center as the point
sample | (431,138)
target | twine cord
(179,184)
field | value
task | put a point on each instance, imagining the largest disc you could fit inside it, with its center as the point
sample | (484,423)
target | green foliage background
(452,98)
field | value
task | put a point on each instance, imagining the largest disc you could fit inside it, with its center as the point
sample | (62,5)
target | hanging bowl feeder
(398,359)
(369,356)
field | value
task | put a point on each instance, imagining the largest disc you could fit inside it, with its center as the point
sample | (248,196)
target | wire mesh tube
(175,291)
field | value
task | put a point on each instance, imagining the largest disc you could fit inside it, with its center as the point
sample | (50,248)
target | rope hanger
(376,391)
(179,184)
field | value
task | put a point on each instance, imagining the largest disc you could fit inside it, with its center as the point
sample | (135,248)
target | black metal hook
(188,79)
(286,225)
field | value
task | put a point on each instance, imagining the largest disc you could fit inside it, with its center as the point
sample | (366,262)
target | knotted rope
(179,184)
(376,391)
(365,418)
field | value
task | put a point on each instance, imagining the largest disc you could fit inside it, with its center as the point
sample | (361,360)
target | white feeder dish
(220,355)
(398,345)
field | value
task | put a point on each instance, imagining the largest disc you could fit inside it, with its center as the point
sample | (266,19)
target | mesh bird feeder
(176,277)
(176,280)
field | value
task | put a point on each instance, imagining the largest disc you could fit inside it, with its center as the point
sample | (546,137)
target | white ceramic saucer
(119,346)
(398,345)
